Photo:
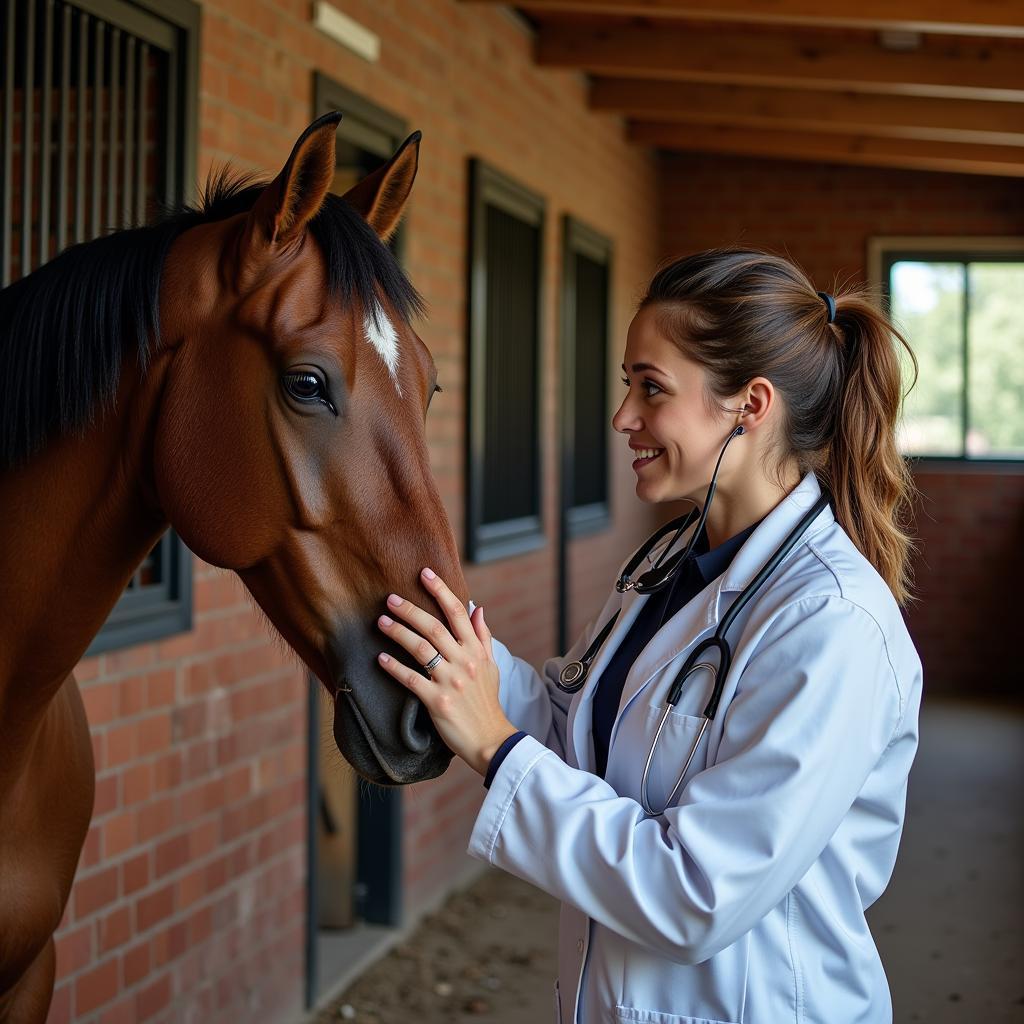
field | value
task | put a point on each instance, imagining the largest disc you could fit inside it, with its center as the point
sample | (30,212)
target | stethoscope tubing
(720,672)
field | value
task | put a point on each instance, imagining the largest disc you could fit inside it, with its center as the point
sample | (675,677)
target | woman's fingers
(483,634)
(422,626)
(421,649)
(453,608)
(408,677)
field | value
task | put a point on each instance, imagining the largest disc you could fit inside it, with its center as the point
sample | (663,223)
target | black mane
(65,328)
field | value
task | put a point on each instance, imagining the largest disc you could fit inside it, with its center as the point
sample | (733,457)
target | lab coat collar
(770,534)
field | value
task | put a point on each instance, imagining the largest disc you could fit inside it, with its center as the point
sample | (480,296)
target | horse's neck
(75,527)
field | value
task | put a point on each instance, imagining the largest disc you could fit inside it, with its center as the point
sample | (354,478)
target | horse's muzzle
(381,729)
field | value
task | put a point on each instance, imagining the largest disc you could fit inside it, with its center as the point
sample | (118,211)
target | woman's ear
(756,401)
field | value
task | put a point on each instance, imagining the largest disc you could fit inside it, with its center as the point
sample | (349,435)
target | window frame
(491,541)
(883,252)
(578,239)
(164,609)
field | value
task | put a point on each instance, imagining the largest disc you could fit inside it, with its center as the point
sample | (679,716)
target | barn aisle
(950,927)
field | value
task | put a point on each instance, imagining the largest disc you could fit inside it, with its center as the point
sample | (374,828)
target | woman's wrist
(486,753)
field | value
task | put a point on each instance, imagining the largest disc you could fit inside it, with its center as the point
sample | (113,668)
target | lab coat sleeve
(815,707)
(532,701)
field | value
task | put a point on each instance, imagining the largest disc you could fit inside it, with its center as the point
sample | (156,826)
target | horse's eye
(306,387)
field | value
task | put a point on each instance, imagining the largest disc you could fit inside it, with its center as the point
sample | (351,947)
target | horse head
(290,440)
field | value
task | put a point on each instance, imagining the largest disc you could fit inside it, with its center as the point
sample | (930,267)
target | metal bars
(85,109)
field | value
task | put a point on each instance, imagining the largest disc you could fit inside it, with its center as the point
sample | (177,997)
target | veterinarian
(715,822)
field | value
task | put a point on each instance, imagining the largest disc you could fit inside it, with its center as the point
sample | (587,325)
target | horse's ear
(295,196)
(381,196)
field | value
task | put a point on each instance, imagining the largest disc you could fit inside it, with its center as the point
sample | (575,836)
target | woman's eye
(650,388)
(306,387)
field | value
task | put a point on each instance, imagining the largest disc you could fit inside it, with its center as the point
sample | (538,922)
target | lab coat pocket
(674,744)
(634,1015)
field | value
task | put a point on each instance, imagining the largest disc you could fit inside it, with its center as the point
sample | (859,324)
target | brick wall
(969,522)
(190,899)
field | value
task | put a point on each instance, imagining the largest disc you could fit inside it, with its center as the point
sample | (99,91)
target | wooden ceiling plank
(958,68)
(961,17)
(921,117)
(910,154)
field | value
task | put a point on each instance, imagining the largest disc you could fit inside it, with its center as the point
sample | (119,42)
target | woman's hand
(462,691)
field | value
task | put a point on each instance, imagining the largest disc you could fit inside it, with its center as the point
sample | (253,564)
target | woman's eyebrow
(638,367)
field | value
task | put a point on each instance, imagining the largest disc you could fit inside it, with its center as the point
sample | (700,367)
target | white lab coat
(744,901)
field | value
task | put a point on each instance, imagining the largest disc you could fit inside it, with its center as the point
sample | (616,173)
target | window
(503,491)
(959,308)
(97,127)
(586,259)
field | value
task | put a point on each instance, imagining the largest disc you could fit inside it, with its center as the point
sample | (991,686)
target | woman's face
(675,439)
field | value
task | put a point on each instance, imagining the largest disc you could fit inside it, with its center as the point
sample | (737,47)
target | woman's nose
(624,419)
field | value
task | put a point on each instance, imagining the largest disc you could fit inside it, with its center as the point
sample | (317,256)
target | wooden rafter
(961,17)
(917,154)
(912,117)
(943,66)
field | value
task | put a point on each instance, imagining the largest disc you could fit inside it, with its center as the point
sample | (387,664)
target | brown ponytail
(869,479)
(743,313)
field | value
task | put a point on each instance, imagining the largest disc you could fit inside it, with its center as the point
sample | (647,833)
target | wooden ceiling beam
(960,17)
(909,154)
(909,117)
(943,66)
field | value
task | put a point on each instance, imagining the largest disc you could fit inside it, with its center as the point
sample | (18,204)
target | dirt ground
(486,957)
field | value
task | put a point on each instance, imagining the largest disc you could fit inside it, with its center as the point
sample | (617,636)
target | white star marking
(381,334)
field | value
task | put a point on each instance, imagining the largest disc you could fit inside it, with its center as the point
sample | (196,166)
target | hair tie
(831,304)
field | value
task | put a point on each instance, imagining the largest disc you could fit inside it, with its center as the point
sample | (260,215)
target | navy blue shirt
(700,570)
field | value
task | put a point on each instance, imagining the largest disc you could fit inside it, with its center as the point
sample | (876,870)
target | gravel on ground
(488,956)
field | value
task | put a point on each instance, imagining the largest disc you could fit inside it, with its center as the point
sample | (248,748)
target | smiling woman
(713,778)
(246,371)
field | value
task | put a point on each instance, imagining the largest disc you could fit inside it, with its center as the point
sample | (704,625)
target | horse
(244,370)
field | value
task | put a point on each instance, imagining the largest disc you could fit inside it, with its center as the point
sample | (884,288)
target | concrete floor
(950,927)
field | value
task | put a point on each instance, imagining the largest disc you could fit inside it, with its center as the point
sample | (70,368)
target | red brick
(169,943)
(119,834)
(96,987)
(95,891)
(91,849)
(74,949)
(171,855)
(155,818)
(121,745)
(156,906)
(106,799)
(152,998)
(137,961)
(129,659)
(99,702)
(131,697)
(121,1012)
(167,770)
(137,783)
(135,873)
(160,688)
(60,1005)
(154,733)
(114,929)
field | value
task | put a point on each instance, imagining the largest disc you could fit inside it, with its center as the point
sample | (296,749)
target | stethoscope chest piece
(572,677)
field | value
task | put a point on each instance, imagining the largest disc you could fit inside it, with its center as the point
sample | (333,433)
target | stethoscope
(574,674)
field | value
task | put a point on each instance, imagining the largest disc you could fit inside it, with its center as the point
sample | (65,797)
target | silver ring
(433,663)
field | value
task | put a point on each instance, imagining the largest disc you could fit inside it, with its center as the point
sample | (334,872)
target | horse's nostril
(415,726)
